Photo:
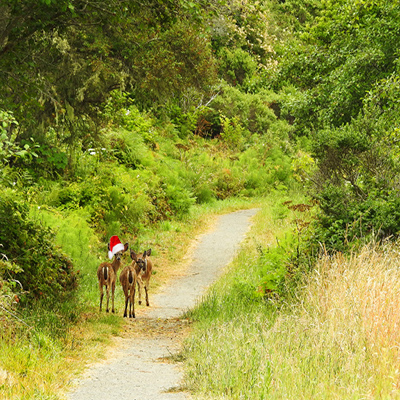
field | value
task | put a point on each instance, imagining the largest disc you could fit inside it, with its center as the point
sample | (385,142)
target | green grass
(336,338)
(79,242)
(38,364)
(44,347)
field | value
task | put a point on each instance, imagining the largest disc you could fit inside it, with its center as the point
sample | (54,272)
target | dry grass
(338,340)
(342,339)
(364,288)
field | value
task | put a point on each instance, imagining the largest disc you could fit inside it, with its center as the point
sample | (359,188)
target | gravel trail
(142,366)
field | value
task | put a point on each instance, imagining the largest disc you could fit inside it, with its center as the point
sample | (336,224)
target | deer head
(119,254)
(141,261)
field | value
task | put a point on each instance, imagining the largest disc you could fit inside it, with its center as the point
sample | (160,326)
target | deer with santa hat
(107,272)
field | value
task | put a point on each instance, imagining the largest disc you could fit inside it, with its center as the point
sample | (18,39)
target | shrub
(253,111)
(129,147)
(228,183)
(233,133)
(180,199)
(43,270)
(237,67)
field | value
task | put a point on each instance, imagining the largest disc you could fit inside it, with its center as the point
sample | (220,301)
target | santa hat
(115,246)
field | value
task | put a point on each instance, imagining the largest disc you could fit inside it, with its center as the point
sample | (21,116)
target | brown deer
(143,268)
(128,280)
(107,273)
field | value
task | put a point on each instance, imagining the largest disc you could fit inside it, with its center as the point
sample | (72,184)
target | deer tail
(105,272)
(130,277)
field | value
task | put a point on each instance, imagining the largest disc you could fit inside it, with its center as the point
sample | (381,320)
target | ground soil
(144,363)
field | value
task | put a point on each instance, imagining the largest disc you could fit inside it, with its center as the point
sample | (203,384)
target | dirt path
(141,366)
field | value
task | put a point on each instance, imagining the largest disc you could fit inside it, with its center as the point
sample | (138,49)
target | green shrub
(272,265)
(253,111)
(237,67)
(228,182)
(357,181)
(130,149)
(185,121)
(50,160)
(44,271)
(346,219)
(233,133)
(264,168)
(180,199)
(204,194)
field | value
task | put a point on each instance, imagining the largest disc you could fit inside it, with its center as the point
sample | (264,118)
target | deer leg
(126,305)
(101,295)
(139,285)
(132,312)
(108,296)
(112,296)
(147,294)
(130,307)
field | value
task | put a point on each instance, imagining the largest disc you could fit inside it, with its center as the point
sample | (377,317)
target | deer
(107,274)
(143,269)
(128,279)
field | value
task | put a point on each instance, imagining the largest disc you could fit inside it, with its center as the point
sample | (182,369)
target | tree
(338,58)
(59,60)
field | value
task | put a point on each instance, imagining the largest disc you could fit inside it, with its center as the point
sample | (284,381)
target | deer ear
(126,246)
(133,255)
(148,252)
(108,245)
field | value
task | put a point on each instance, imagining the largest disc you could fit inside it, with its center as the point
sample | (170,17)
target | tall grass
(34,364)
(339,339)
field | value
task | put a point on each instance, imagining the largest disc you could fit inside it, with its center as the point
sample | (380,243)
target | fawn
(107,273)
(143,269)
(128,280)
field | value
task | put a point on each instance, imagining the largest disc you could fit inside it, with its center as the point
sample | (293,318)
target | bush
(233,133)
(253,111)
(179,199)
(346,219)
(357,181)
(43,270)
(129,147)
(237,67)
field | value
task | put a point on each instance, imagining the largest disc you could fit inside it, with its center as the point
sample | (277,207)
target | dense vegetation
(336,339)
(345,65)
(110,110)
(122,117)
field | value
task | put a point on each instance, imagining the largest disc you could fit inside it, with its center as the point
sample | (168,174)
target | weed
(337,339)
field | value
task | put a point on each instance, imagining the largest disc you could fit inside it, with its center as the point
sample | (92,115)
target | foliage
(10,150)
(254,111)
(243,25)
(232,133)
(300,12)
(341,54)
(237,67)
(42,270)
(60,63)
(344,65)
(357,180)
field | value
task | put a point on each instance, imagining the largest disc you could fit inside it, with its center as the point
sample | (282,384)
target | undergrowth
(332,333)
(43,346)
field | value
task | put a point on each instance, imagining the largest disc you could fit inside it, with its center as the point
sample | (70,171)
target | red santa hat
(115,246)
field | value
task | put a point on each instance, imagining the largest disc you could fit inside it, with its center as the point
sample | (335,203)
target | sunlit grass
(39,365)
(338,340)
(48,346)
